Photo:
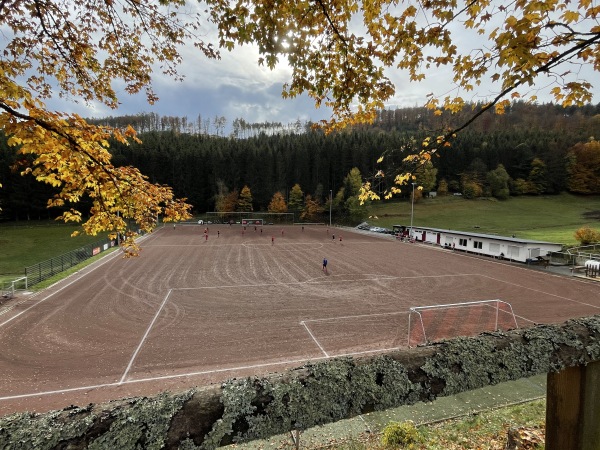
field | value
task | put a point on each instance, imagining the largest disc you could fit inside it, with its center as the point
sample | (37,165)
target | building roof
(482,235)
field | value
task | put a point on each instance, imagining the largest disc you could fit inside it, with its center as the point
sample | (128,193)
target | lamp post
(412,211)
(330,202)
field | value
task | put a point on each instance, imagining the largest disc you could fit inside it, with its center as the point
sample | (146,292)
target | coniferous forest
(529,150)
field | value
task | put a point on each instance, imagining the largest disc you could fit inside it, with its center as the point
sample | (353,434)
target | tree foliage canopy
(296,200)
(244,203)
(80,51)
(343,52)
(583,167)
(277,203)
(339,50)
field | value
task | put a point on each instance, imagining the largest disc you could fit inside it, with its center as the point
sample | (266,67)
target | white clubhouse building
(512,248)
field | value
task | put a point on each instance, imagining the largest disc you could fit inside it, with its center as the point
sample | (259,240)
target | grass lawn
(486,431)
(547,218)
(27,243)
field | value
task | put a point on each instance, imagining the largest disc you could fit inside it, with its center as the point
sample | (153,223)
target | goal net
(433,323)
(255,222)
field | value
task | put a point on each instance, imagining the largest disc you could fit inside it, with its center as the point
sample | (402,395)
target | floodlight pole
(330,202)
(412,211)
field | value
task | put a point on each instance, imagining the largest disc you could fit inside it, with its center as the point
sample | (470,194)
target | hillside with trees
(529,150)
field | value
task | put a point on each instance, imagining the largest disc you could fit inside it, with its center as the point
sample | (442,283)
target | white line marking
(325,281)
(239,368)
(139,347)
(164,377)
(327,319)
(191,374)
(541,292)
(365,352)
(314,339)
(521,317)
(57,291)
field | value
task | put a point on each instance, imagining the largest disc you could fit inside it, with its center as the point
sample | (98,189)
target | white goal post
(10,287)
(435,322)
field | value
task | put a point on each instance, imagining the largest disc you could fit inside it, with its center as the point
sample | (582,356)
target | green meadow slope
(548,218)
(26,243)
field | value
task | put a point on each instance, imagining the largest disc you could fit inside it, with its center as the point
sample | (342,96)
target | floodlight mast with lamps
(412,211)
(330,202)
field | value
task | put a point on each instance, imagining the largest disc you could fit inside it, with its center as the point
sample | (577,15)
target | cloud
(233,87)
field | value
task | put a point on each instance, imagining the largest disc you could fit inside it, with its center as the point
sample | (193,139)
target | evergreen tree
(538,176)
(244,203)
(498,180)
(352,209)
(296,200)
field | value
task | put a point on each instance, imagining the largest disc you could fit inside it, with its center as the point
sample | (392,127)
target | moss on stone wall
(313,394)
(130,424)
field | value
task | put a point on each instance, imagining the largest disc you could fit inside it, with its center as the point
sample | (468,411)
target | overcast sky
(236,87)
(233,87)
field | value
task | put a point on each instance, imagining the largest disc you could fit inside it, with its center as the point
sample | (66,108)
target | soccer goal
(10,287)
(237,217)
(432,323)
(255,222)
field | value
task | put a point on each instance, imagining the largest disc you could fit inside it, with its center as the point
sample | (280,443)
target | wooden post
(573,408)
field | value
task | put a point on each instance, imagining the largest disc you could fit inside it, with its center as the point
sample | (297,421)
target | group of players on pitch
(325,262)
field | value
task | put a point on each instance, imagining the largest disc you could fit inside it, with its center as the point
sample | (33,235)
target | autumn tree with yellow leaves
(277,204)
(79,50)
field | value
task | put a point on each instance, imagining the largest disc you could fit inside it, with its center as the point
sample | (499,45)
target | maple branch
(72,141)
(58,45)
(552,63)
(333,26)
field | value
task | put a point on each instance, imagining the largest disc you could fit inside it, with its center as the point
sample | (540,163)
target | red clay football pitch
(192,311)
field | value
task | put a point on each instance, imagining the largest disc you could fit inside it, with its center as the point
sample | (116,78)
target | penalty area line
(139,347)
(360,316)
(164,377)
(189,374)
(92,267)
(314,338)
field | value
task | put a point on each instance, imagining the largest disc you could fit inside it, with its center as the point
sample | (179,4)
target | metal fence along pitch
(46,269)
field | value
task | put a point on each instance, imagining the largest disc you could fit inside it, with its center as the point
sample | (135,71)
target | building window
(478,244)
(462,242)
